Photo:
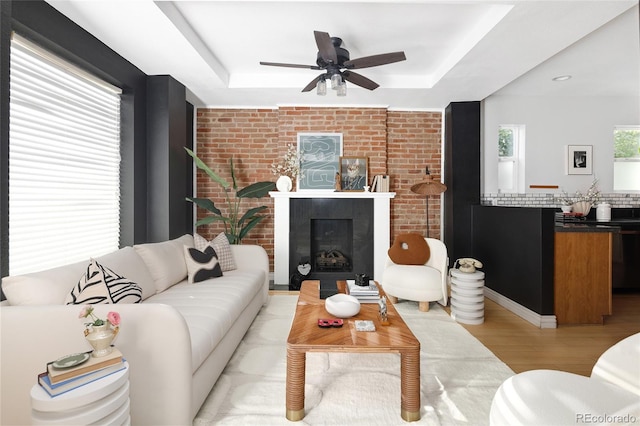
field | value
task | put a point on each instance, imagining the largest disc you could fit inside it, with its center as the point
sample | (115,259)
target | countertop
(589,225)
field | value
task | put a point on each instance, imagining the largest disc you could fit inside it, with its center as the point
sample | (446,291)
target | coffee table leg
(295,385)
(410,385)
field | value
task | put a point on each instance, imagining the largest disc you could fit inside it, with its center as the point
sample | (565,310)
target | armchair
(422,283)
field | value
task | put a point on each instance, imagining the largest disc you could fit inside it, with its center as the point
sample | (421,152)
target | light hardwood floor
(576,348)
(523,346)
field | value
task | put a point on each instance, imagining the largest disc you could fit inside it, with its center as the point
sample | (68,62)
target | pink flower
(86,311)
(113,318)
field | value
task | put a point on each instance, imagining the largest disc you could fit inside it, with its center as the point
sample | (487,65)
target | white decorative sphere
(342,305)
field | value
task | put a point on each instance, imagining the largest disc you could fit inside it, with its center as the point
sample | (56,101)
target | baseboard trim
(541,321)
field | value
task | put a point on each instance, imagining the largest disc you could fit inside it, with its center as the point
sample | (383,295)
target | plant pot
(284,184)
(582,207)
(100,338)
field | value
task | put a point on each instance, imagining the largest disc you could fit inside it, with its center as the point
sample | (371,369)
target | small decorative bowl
(342,305)
(566,209)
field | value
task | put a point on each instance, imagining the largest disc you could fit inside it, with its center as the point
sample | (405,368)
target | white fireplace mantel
(381,233)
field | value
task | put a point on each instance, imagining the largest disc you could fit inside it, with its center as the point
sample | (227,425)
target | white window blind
(64,162)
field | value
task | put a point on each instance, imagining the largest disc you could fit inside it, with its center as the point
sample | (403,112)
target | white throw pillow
(100,284)
(165,261)
(27,290)
(222,247)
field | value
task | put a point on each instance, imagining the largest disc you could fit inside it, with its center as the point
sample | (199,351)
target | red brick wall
(397,143)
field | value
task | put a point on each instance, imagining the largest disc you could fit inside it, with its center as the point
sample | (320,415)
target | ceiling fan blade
(359,80)
(312,85)
(375,60)
(326,47)
(277,64)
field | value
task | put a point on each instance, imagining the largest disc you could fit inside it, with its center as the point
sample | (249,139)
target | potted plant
(581,203)
(236,225)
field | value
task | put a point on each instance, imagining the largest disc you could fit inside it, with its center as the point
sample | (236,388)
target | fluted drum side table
(467,297)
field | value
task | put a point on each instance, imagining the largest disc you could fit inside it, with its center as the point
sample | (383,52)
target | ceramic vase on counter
(603,212)
(582,207)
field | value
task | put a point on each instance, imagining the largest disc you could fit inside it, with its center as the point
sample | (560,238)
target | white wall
(552,123)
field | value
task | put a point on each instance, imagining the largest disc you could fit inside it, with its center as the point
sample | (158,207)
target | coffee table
(305,336)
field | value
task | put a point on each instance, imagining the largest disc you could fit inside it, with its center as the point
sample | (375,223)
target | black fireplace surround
(334,235)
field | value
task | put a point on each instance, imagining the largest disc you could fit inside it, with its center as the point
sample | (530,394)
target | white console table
(381,236)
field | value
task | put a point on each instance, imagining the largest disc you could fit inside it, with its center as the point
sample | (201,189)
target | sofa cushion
(201,265)
(222,247)
(211,307)
(128,263)
(100,284)
(49,287)
(165,261)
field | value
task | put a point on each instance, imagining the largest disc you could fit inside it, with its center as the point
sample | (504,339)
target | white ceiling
(456,50)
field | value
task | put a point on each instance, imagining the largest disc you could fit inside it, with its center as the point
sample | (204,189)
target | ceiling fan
(335,60)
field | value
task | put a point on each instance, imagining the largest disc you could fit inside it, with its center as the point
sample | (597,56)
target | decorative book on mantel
(365,294)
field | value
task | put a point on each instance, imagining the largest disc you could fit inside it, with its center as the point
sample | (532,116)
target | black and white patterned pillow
(100,284)
(201,265)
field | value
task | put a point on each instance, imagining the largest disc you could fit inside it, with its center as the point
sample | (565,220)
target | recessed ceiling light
(561,78)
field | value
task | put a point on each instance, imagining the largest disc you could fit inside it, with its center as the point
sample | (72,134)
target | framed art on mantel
(320,153)
(579,159)
(353,173)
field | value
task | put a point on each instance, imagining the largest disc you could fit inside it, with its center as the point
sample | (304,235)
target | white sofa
(177,341)
(549,397)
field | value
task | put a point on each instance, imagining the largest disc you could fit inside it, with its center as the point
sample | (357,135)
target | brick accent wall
(397,143)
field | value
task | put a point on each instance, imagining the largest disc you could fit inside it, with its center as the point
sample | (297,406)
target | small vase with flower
(98,332)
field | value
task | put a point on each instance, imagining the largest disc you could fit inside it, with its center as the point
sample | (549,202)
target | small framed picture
(353,173)
(580,159)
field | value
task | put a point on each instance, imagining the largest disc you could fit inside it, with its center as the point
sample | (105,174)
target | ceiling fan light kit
(333,59)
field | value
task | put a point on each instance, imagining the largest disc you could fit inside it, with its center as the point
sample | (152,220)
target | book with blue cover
(55,389)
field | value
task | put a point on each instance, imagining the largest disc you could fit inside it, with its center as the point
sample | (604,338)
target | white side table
(104,401)
(467,296)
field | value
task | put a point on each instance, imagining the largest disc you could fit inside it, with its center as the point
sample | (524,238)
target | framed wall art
(320,154)
(353,173)
(579,159)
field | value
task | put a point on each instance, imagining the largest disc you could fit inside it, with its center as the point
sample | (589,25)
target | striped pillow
(100,284)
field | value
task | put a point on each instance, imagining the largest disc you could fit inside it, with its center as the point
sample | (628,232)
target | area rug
(459,376)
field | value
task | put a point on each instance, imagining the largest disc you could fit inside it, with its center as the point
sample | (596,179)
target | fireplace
(334,235)
(364,221)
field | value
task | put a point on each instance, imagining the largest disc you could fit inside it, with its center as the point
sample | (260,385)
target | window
(64,162)
(626,158)
(510,163)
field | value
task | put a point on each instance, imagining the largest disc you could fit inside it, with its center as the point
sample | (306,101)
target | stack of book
(364,294)
(380,183)
(73,371)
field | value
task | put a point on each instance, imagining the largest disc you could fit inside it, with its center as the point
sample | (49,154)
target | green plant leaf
(233,174)
(249,226)
(256,190)
(206,204)
(210,219)
(250,213)
(202,166)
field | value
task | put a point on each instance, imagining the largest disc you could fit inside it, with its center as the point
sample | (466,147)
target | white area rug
(459,377)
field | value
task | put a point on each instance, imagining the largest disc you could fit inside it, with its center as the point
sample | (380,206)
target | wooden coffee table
(305,336)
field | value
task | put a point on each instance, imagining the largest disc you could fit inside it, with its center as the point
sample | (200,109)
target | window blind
(64,162)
